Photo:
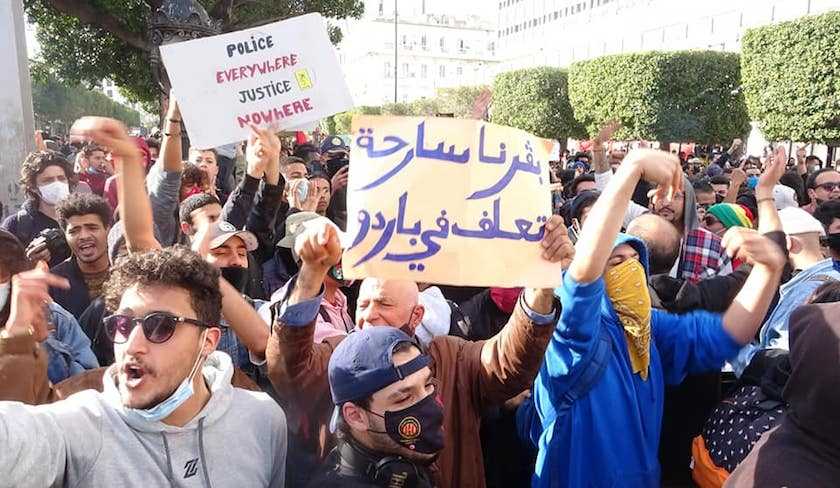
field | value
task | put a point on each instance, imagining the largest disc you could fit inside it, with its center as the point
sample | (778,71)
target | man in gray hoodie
(157,422)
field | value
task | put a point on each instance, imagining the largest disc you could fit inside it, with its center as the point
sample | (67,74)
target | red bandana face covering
(505,298)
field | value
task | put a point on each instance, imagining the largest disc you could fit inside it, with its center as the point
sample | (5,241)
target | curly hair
(13,261)
(176,267)
(193,203)
(193,175)
(83,204)
(91,148)
(36,163)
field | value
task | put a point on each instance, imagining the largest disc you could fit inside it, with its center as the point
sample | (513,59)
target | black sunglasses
(158,327)
(830,186)
(710,220)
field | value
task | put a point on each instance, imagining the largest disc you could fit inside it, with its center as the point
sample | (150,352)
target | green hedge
(689,96)
(791,75)
(535,100)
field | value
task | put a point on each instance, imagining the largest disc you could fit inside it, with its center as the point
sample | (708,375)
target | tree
(791,76)
(690,96)
(86,41)
(535,100)
(57,105)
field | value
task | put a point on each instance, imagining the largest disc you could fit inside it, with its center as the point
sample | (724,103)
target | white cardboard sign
(284,75)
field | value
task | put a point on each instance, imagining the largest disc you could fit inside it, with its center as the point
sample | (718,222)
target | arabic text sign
(441,200)
(284,74)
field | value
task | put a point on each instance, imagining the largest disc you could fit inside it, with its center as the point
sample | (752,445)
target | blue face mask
(752,182)
(91,170)
(176,399)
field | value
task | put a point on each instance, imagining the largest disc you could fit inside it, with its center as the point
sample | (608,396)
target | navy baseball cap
(363,364)
(333,143)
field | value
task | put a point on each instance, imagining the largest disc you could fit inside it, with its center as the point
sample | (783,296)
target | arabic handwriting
(438,152)
(365,141)
(401,229)
(484,158)
(380,222)
(426,237)
(364,228)
(383,241)
(515,166)
(396,169)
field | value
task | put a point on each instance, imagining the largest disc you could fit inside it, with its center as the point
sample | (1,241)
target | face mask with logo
(5,291)
(54,192)
(418,427)
(336,272)
(752,182)
(236,276)
(176,399)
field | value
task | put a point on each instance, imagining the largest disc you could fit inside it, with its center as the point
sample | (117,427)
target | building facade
(434,49)
(574,30)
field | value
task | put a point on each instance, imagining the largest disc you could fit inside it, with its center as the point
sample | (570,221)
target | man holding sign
(468,376)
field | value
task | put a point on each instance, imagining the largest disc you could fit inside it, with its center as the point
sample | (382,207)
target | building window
(461,46)
(381,8)
(442,71)
(388,71)
(404,40)
(459,71)
(423,42)
(443,44)
(405,70)
(424,71)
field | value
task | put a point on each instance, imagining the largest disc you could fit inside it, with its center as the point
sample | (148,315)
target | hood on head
(636,244)
(691,220)
(813,390)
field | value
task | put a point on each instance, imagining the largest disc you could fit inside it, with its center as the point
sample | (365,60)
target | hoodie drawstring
(201,453)
(170,475)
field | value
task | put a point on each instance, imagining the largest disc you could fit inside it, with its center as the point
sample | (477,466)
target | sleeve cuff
(298,314)
(536,317)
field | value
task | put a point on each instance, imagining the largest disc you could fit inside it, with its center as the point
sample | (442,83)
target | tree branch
(154,4)
(90,15)
(222,10)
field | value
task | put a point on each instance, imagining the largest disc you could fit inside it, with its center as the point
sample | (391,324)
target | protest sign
(441,200)
(284,74)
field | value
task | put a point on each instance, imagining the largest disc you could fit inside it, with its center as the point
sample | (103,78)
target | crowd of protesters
(185,321)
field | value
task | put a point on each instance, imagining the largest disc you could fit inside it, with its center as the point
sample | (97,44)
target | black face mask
(236,276)
(418,427)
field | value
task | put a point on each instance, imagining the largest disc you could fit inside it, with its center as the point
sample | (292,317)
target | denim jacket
(67,346)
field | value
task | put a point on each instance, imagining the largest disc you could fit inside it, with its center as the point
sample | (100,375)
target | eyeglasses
(158,327)
(830,186)
(710,221)
(704,206)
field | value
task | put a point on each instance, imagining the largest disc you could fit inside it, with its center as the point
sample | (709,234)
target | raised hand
(263,150)
(339,179)
(318,246)
(110,133)
(750,246)
(774,169)
(659,167)
(30,296)
(557,247)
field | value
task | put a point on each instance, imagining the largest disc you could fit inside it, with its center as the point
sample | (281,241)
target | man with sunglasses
(168,411)
(822,185)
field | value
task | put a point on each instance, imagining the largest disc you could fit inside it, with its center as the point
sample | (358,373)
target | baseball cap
(295,227)
(797,221)
(333,143)
(221,231)
(363,364)
(784,197)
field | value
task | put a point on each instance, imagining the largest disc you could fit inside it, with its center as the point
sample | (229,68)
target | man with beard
(168,412)
(85,219)
(822,185)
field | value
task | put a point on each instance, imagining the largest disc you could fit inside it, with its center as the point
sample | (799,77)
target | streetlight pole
(396,59)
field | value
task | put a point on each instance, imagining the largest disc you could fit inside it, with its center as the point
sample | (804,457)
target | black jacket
(76,298)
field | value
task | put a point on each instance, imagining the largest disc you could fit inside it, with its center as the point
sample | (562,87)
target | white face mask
(54,192)
(5,289)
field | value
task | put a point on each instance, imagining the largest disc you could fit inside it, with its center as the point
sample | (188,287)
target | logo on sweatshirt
(191,468)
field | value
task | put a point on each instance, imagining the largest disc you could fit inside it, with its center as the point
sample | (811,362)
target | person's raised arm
(595,242)
(239,314)
(170,145)
(136,216)
(744,316)
(599,159)
(737,179)
(768,216)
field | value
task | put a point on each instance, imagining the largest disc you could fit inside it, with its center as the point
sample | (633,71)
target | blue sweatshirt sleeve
(574,336)
(692,343)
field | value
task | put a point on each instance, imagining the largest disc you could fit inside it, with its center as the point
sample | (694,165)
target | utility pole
(396,58)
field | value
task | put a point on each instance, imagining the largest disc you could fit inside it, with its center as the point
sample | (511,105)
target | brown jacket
(23,375)
(471,375)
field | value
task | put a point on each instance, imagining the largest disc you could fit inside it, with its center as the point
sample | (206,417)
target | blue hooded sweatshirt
(609,436)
